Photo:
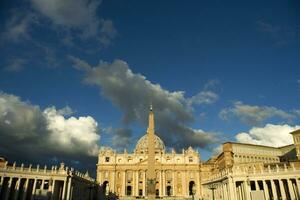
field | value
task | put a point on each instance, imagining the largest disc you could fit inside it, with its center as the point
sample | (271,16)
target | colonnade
(23,188)
(275,188)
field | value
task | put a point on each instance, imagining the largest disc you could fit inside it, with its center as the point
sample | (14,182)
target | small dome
(142,144)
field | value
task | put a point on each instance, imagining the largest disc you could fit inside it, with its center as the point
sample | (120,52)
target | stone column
(274,192)
(164,183)
(25,188)
(137,183)
(33,189)
(231,187)
(298,186)
(1,183)
(282,190)
(64,190)
(173,183)
(224,191)
(17,189)
(69,188)
(266,190)
(6,196)
(247,190)
(160,183)
(124,183)
(144,183)
(256,185)
(291,189)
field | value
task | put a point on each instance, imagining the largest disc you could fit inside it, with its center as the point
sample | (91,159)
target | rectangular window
(106,159)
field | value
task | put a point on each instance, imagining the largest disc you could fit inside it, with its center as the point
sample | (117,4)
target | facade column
(144,183)
(137,183)
(173,183)
(274,192)
(124,183)
(282,190)
(160,183)
(112,184)
(291,189)
(164,183)
(266,190)
(69,188)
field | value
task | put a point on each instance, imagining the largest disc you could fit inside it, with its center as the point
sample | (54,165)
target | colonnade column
(266,190)
(17,188)
(25,188)
(247,190)
(298,186)
(291,189)
(69,188)
(231,185)
(282,190)
(34,188)
(64,190)
(274,192)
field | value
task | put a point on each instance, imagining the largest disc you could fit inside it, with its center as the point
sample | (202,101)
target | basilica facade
(125,174)
(239,172)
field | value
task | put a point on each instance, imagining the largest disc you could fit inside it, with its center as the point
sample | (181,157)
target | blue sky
(214,71)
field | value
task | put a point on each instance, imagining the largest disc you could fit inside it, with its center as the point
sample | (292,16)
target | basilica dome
(142,145)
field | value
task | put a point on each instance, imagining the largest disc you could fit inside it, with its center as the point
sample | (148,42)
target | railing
(62,170)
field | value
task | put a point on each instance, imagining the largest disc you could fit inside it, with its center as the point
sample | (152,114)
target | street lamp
(212,187)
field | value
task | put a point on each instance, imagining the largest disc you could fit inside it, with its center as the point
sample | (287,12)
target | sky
(79,75)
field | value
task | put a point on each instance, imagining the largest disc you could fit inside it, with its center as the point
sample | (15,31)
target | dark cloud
(29,134)
(133,93)
(122,138)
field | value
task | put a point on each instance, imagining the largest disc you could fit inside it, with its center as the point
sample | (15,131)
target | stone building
(57,183)
(239,172)
(125,174)
(252,172)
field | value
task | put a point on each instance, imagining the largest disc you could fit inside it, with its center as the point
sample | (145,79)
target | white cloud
(204,97)
(132,93)
(28,132)
(253,115)
(72,134)
(269,135)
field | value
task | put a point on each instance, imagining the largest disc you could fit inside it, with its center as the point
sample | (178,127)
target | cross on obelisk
(151,179)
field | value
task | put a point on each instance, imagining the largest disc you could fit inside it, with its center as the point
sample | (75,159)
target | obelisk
(151,157)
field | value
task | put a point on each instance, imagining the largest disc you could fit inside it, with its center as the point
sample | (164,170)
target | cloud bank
(253,115)
(30,134)
(132,94)
(269,135)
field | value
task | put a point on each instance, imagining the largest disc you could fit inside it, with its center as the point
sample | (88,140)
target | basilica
(239,172)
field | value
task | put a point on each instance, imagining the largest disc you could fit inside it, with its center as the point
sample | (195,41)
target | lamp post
(212,187)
